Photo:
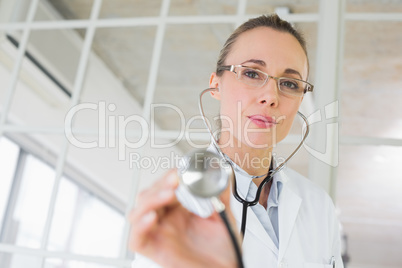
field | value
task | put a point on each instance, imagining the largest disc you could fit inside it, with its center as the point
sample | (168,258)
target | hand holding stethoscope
(163,230)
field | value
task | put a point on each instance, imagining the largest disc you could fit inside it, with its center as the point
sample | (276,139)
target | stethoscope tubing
(246,203)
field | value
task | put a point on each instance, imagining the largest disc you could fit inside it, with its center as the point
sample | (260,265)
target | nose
(270,93)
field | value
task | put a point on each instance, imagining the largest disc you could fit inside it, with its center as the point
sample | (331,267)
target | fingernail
(147,218)
(166,194)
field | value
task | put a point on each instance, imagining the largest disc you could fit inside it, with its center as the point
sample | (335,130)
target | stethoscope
(207,174)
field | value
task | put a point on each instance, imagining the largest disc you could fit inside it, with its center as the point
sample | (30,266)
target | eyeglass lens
(257,78)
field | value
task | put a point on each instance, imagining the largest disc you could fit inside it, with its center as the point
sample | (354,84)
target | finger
(157,201)
(140,231)
(145,218)
(168,180)
(162,187)
(151,206)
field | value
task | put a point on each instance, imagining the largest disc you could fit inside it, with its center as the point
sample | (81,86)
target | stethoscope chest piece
(205,174)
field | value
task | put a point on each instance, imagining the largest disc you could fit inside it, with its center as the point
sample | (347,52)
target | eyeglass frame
(231,68)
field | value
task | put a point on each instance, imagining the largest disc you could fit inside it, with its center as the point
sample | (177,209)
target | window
(8,159)
(82,223)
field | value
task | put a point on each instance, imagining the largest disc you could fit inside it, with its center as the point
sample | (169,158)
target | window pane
(267,7)
(374,6)
(310,32)
(125,9)
(202,7)
(19,260)
(8,162)
(57,263)
(179,62)
(369,196)
(69,10)
(99,230)
(371,90)
(32,204)
(83,224)
(38,100)
(63,217)
(8,260)
(128,60)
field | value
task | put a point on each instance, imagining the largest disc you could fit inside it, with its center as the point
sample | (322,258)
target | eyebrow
(259,62)
(262,63)
(293,71)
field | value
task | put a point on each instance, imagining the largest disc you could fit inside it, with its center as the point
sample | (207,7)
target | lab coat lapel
(289,204)
(253,225)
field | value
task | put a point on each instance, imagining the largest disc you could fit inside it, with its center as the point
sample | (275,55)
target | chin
(260,140)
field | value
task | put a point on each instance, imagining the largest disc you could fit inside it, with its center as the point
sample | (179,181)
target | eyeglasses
(257,78)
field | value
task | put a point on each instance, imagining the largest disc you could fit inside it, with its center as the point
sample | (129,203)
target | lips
(262,121)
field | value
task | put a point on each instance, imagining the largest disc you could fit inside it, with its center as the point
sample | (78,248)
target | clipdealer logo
(112,131)
(330,155)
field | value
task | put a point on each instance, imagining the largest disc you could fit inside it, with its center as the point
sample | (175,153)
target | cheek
(232,101)
(289,115)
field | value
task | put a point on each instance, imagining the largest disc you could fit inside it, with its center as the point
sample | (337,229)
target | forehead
(279,50)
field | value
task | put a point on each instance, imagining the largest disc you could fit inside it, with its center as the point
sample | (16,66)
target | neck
(255,162)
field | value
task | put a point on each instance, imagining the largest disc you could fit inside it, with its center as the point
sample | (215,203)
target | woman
(294,224)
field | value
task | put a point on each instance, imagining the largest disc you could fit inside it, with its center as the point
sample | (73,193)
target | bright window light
(57,263)
(83,224)
(33,203)
(8,158)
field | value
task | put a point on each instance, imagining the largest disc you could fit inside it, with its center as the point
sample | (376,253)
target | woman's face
(259,116)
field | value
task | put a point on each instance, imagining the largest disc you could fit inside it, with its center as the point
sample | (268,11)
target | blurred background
(99,98)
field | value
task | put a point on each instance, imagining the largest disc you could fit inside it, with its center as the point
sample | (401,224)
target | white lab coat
(308,229)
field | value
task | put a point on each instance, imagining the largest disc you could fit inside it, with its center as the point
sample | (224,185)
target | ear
(214,82)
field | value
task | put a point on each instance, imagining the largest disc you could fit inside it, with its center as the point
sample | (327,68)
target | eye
(252,74)
(290,84)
